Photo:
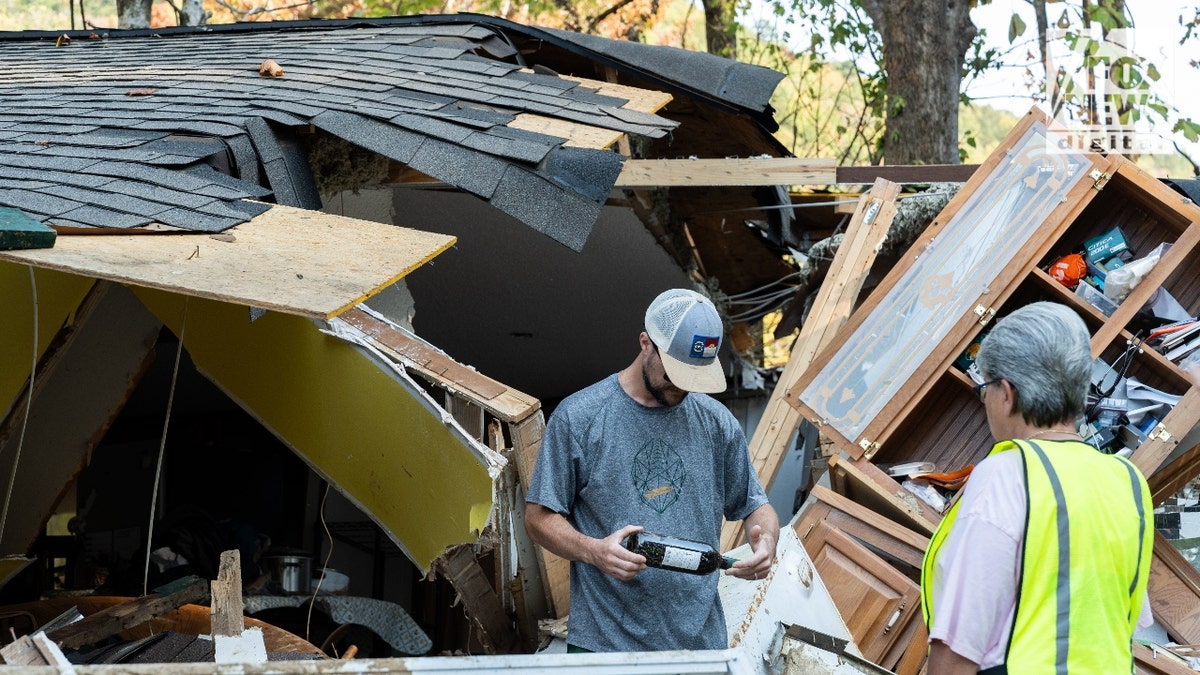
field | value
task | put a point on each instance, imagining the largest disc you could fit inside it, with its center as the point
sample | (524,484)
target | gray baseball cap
(687,330)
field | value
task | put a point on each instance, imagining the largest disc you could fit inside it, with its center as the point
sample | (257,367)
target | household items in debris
(922,479)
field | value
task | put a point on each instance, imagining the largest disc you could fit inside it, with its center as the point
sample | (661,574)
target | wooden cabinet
(887,388)
(861,576)
(880,605)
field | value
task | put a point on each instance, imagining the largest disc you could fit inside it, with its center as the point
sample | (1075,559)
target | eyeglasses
(979,388)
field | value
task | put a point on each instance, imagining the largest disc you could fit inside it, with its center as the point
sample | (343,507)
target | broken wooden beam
(480,601)
(226,608)
(907,173)
(726,172)
(834,302)
(112,620)
(34,650)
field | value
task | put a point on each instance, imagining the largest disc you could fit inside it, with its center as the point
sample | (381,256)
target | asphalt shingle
(435,96)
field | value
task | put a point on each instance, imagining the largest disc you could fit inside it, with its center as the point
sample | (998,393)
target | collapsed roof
(191,128)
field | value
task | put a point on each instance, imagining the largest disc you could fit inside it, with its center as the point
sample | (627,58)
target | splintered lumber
(830,311)
(112,620)
(1156,660)
(479,598)
(34,650)
(555,571)
(20,231)
(434,365)
(864,483)
(226,609)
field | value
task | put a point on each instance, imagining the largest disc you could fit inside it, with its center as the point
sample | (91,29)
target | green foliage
(981,128)
(1016,28)
(832,101)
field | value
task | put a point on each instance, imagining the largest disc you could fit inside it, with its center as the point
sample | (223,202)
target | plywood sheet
(288,260)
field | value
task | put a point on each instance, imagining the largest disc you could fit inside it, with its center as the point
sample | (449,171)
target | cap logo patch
(704,347)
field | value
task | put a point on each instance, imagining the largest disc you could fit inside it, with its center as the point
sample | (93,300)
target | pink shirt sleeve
(975,579)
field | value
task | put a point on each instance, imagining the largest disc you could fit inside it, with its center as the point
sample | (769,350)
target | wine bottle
(678,555)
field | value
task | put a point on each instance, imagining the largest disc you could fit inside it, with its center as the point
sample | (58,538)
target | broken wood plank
(431,363)
(733,171)
(829,313)
(555,571)
(286,259)
(643,100)
(1152,660)
(226,607)
(480,601)
(574,134)
(34,650)
(112,620)
(923,173)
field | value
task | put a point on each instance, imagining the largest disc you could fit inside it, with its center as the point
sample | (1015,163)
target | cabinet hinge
(869,448)
(1160,433)
(985,314)
(1100,178)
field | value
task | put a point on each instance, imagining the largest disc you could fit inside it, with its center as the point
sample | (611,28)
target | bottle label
(680,558)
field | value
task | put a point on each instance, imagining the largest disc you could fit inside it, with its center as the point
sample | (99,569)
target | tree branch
(605,14)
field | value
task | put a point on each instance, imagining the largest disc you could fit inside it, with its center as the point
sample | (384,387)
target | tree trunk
(720,27)
(192,13)
(133,13)
(924,46)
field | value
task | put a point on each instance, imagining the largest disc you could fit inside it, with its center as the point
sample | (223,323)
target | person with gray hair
(1041,565)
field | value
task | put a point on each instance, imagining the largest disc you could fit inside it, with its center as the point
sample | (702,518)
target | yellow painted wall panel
(365,428)
(58,296)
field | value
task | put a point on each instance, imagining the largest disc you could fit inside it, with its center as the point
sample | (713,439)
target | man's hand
(757,566)
(610,557)
(763,531)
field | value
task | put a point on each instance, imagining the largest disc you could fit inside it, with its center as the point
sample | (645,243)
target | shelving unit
(888,390)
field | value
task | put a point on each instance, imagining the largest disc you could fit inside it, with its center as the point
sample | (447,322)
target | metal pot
(293,573)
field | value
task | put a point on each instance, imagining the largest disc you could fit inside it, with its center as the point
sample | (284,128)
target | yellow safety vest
(1083,573)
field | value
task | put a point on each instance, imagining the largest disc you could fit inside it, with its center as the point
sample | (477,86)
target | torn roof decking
(289,260)
(110,131)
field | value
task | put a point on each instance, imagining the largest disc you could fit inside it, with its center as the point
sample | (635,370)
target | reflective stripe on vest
(1084,546)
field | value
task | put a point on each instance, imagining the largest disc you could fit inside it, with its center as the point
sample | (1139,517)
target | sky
(1154,36)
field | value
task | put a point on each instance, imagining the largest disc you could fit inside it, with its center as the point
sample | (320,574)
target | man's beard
(659,392)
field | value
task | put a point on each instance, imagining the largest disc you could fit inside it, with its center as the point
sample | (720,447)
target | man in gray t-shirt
(636,451)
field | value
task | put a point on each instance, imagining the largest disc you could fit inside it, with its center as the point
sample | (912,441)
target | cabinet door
(904,548)
(990,232)
(876,601)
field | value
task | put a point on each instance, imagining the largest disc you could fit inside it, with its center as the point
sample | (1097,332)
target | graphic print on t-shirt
(658,474)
